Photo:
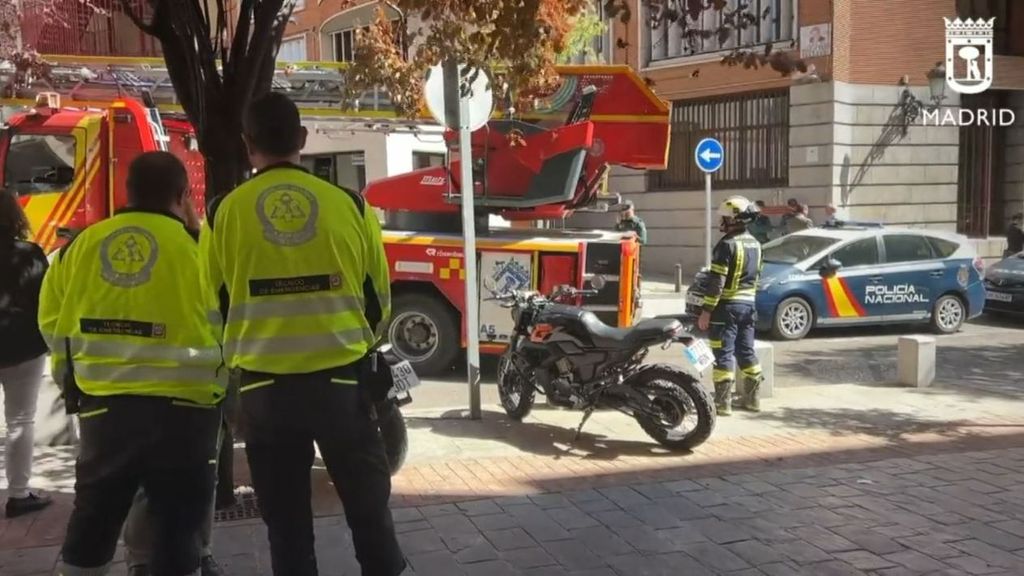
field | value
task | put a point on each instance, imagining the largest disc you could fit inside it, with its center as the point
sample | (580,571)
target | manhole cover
(246,507)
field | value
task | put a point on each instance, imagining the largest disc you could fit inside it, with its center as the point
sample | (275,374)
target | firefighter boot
(723,397)
(752,393)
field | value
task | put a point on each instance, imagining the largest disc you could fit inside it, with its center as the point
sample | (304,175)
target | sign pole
(469,258)
(709,155)
(707,219)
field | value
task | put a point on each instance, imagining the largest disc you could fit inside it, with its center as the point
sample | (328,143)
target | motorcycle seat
(649,330)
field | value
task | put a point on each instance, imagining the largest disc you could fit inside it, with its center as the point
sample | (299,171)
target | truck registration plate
(405,378)
(699,355)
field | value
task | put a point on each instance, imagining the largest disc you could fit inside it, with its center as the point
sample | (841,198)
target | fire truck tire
(424,331)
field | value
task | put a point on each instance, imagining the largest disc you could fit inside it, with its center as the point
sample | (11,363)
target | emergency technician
(729,305)
(135,343)
(304,268)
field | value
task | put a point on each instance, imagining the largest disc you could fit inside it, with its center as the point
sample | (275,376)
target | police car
(1004,286)
(866,276)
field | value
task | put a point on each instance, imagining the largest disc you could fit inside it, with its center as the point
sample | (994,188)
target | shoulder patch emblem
(127,256)
(288,214)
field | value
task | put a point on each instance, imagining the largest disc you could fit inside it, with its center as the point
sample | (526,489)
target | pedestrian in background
(1015,235)
(630,222)
(761,228)
(135,339)
(799,220)
(23,353)
(309,294)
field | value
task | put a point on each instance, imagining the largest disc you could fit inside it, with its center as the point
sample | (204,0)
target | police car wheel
(424,331)
(793,319)
(948,315)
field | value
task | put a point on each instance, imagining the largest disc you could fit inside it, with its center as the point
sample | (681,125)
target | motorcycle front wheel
(683,414)
(394,434)
(515,390)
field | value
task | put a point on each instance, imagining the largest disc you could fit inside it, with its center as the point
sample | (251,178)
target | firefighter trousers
(282,417)
(166,447)
(732,341)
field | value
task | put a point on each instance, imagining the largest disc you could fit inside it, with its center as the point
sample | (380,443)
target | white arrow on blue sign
(709,155)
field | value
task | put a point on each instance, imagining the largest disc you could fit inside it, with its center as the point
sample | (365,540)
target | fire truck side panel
(182,144)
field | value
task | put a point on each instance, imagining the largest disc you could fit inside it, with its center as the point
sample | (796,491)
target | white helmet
(736,210)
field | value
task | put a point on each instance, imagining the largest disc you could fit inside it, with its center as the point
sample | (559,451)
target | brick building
(845,134)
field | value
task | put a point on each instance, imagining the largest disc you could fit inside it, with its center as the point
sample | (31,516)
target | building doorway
(980,187)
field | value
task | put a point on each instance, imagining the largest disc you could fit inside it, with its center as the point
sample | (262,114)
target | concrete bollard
(916,361)
(766,356)
(679,278)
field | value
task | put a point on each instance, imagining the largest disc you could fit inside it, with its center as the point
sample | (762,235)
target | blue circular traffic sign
(709,155)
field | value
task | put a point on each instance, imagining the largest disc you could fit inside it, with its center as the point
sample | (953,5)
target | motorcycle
(567,354)
(388,411)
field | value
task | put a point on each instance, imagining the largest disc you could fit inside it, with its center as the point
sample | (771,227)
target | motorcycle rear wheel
(515,390)
(394,434)
(677,395)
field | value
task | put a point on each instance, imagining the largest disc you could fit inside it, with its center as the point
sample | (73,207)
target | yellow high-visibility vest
(305,271)
(126,298)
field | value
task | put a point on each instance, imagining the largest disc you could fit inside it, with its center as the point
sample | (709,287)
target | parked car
(826,277)
(1004,286)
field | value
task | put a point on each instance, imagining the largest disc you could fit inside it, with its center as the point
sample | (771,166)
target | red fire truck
(68,166)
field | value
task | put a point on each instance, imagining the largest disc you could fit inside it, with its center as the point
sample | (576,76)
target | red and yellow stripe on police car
(841,301)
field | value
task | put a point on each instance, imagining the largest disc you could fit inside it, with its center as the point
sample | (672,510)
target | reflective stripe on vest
(336,342)
(145,351)
(135,373)
(308,305)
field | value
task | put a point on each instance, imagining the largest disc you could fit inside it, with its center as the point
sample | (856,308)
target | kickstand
(579,429)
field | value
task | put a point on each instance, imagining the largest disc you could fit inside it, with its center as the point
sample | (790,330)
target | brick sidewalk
(949,513)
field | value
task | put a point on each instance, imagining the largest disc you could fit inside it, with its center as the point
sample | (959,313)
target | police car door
(908,278)
(846,292)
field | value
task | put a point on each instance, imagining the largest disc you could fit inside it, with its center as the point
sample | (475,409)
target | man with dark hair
(135,341)
(305,271)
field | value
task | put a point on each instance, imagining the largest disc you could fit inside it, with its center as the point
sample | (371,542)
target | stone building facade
(850,132)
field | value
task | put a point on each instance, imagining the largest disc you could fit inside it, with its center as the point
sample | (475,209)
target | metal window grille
(773,22)
(754,129)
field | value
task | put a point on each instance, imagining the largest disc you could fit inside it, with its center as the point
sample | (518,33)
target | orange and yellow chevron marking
(454,265)
(841,302)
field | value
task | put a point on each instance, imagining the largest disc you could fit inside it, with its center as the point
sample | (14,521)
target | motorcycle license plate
(405,379)
(694,299)
(699,355)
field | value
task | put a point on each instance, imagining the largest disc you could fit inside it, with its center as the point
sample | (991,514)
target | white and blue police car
(856,276)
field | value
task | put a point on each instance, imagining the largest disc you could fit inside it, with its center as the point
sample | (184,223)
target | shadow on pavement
(880,423)
(537,438)
(973,369)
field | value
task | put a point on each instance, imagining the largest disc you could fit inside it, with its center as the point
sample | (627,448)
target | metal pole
(707,220)
(469,260)
(679,278)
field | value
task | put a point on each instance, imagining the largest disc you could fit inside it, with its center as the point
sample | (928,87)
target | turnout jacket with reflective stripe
(735,270)
(126,298)
(304,268)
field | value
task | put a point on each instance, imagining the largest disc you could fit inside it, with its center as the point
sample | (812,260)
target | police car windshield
(796,248)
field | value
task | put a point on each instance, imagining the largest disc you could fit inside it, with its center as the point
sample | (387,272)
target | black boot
(209,567)
(723,398)
(31,503)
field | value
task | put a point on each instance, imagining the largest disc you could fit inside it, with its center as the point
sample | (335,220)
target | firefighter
(135,344)
(729,305)
(304,268)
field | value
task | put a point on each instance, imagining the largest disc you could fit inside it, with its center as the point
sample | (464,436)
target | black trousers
(166,447)
(282,417)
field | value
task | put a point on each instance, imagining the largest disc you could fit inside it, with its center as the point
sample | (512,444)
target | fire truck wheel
(425,332)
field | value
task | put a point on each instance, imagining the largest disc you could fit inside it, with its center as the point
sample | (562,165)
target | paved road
(935,515)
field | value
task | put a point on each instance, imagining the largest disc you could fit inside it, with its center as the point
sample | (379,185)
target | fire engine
(68,166)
